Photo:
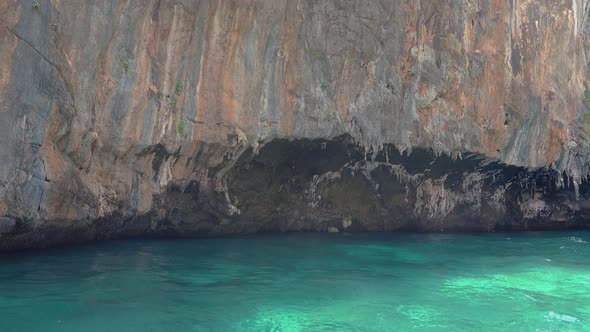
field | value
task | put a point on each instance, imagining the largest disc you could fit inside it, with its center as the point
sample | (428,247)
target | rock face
(188,117)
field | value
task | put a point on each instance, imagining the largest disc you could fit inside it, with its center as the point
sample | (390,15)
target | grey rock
(7,225)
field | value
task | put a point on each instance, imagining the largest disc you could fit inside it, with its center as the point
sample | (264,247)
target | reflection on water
(528,281)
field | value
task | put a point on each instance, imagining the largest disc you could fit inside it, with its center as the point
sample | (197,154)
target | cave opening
(329,185)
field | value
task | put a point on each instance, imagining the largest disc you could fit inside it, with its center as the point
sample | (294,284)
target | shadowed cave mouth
(321,185)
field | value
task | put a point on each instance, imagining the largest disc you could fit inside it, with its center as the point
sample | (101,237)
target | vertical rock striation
(134,117)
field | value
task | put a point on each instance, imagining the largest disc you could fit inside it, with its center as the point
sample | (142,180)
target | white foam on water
(562,317)
(576,239)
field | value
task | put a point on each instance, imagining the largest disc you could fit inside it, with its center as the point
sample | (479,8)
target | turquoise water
(403,282)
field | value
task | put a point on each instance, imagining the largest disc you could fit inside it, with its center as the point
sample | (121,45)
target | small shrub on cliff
(173,103)
(179,88)
(125,65)
(181,125)
(586,118)
(36,5)
(317,54)
(587,98)
(453,42)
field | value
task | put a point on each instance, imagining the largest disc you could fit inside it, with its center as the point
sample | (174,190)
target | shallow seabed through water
(304,282)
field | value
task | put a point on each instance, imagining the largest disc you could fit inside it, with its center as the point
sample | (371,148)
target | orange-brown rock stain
(291,53)
(343,87)
(233,80)
(203,121)
(492,84)
(423,89)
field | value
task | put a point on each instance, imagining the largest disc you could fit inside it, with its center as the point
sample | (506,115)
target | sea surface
(320,282)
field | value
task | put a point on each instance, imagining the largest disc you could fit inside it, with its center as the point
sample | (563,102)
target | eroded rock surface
(122,118)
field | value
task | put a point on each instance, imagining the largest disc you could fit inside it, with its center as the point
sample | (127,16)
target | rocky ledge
(335,186)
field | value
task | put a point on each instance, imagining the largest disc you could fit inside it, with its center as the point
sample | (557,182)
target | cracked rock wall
(107,105)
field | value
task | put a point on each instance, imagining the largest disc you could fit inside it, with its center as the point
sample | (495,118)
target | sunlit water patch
(401,282)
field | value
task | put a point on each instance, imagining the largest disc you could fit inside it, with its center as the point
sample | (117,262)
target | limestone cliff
(193,117)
